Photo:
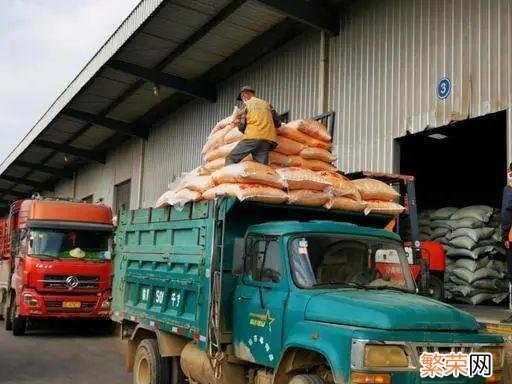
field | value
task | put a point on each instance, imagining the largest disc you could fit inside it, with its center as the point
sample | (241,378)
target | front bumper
(51,305)
(411,374)
(414,378)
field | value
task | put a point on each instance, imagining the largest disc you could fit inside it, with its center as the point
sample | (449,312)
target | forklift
(427,259)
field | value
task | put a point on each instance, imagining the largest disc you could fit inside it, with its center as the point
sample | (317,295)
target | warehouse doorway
(461,164)
(458,165)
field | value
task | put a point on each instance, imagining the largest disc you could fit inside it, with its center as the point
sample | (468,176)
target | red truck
(55,262)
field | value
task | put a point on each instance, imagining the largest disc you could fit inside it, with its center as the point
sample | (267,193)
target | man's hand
(236,116)
(507,244)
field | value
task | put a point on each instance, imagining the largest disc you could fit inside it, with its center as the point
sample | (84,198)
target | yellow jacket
(258,119)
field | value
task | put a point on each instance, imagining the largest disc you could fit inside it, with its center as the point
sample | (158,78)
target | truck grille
(69,281)
(56,306)
(444,348)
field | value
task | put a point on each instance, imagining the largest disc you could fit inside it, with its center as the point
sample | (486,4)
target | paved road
(61,354)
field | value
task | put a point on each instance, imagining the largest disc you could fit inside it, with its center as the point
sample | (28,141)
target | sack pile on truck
(303,143)
(475,256)
(300,172)
(379,197)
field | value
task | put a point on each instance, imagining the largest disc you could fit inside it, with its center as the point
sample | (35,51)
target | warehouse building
(417,86)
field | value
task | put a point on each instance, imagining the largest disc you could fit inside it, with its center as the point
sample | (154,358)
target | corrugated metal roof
(179,37)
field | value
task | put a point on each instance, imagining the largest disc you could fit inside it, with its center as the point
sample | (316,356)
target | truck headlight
(30,300)
(385,356)
(497,353)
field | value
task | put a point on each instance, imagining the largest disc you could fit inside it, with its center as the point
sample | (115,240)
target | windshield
(320,261)
(69,244)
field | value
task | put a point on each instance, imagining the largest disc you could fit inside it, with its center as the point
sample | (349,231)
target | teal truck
(246,292)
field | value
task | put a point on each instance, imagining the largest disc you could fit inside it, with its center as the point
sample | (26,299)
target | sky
(44,44)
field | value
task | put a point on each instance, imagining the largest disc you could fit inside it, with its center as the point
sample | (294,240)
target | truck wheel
(436,287)
(149,366)
(19,323)
(306,379)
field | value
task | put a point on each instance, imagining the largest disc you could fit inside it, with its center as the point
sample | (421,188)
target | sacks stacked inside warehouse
(475,255)
(300,173)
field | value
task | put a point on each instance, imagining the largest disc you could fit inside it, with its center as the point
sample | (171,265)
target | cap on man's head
(245,88)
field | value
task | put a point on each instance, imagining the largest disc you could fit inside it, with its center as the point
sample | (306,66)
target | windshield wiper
(39,256)
(339,284)
(391,288)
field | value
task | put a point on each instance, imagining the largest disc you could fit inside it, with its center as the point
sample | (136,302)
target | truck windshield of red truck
(69,244)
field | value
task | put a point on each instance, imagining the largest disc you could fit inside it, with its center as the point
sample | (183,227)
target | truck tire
(306,379)
(19,323)
(436,287)
(8,319)
(149,366)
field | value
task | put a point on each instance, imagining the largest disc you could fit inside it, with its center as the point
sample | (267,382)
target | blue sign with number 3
(443,88)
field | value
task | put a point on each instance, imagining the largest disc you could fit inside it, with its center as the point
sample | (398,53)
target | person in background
(506,219)
(506,224)
(258,121)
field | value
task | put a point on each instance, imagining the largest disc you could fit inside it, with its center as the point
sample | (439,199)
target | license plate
(71,304)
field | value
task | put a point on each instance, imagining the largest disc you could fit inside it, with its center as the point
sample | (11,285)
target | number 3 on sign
(443,88)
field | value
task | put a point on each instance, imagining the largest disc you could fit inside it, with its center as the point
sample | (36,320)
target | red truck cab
(55,262)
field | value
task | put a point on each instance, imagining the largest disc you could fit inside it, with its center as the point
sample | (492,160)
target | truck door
(259,302)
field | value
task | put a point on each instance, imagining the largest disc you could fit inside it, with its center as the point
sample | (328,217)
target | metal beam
(6,191)
(265,43)
(78,152)
(179,50)
(45,169)
(23,181)
(317,16)
(222,15)
(107,122)
(189,87)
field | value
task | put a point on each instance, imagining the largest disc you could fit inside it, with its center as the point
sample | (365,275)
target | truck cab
(56,262)
(229,292)
(338,290)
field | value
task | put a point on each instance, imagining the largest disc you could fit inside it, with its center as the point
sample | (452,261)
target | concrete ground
(61,354)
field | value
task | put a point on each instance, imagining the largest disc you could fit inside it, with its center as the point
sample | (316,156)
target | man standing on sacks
(258,121)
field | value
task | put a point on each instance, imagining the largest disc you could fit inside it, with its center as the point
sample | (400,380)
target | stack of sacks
(247,181)
(189,187)
(468,232)
(302,151)
(344,193)
(223,138)
(441,225)
(378,197)
(300,173)
(475,281)
(305,144)
(474,272)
